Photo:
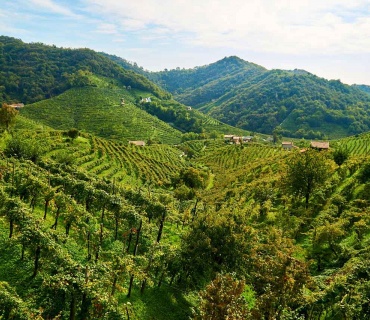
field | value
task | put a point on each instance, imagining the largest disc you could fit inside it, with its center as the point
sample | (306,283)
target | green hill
(32,72)
(65,88)
(99,111)
(92,228)
(296,103)
(362,87)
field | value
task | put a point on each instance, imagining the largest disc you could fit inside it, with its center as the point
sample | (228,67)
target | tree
(223,299)
(7,116)
(340,155)
(305,172)
(73,133)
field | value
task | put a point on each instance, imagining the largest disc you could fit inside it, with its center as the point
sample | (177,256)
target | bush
(364,175)
(23,149)
(340,155)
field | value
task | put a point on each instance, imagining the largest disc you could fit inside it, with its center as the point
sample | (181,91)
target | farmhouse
(17,105)
(247,139)
(319,145)
(287,145)
(233,139)
(228,137)
(146,100)
(137,143)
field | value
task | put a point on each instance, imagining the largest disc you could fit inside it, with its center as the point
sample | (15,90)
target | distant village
(286,145)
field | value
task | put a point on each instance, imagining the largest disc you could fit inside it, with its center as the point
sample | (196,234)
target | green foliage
(193,178)
(34,72)
(364,175)
(73,133)
(305,172)
(97,110)
(250,97)
(340,155)
(21,148)
(223,299)
(7,116)
(110,237)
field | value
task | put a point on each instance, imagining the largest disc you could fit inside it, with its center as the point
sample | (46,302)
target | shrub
(23,149)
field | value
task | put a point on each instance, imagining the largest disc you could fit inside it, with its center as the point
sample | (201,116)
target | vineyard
(122,163)
(236,156)
(356,145)
(186,225)
(80,245)
(99,111)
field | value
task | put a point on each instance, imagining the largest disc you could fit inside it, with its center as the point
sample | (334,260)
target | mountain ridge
(295,102)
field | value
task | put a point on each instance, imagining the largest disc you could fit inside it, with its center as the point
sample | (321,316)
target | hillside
(91,228)
(99,111)
(65,88)
(296,103)
(363,87)
(31,72)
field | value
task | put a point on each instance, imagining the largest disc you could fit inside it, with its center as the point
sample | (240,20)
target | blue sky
(330,38)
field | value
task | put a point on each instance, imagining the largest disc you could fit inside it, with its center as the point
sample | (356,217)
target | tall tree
(7,116)
(305,172)
(223,299)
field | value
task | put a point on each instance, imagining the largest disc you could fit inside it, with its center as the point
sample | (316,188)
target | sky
(330,38)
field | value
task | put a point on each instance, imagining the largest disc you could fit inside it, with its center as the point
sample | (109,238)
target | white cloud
(284,26)
(51,6)
(107,28)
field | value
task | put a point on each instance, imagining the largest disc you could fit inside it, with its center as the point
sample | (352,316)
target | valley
(183,224)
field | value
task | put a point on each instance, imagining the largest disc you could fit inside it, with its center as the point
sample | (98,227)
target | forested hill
(32,72)
(296,103)
(363,87)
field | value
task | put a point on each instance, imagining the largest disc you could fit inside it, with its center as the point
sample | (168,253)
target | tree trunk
(56,219)
(68,226)
(84,313)
(46,208)
(72,309)
(161,279)
(307,196)
(114,285)
(130,286)
(23,250)
(37,259)
(143,285)
(88,247)
(161,224)
(102,214)
(137,237)
(129,241)
(116,229)
(11,227)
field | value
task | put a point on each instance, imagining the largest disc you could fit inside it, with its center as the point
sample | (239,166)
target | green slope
(32,72)
(248,96)
(99,111)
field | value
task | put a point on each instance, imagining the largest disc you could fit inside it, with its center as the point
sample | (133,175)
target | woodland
(188,226)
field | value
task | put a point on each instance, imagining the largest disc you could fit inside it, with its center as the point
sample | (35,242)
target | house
(287,145)
(17,105)
(188,108)
(236,139)
(319,145)
(247,139)
(137,143)
(228,137)
(146,100)
(122,101)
